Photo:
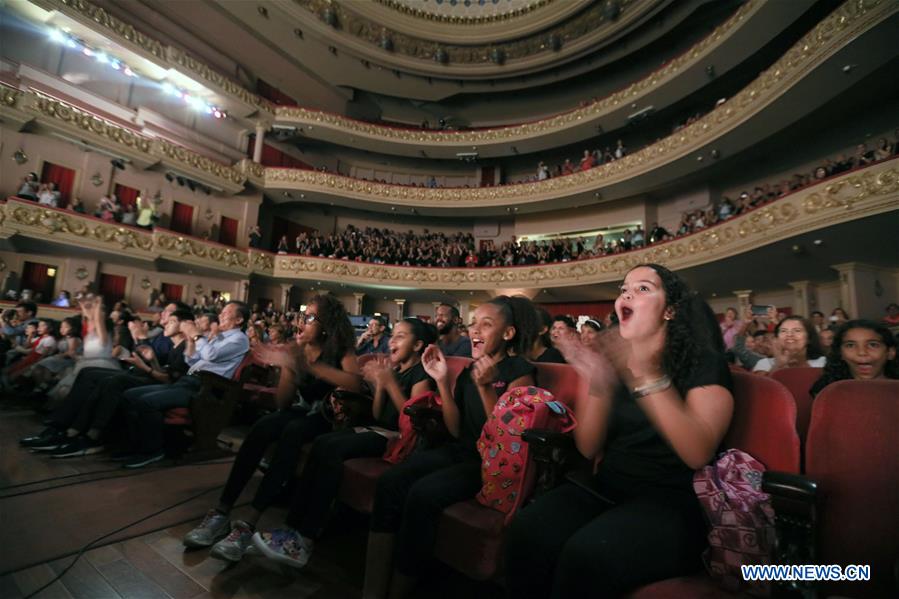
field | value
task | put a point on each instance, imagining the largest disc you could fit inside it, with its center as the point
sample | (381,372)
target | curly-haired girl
(660,403)
(861,350)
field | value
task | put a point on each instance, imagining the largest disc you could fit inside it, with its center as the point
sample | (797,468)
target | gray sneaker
(235,545)
(214,527)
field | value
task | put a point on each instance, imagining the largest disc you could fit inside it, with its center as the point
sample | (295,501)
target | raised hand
(434,363)
(377,372)
(484,372)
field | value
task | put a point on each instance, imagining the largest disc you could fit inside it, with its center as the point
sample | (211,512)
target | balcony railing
(859,194)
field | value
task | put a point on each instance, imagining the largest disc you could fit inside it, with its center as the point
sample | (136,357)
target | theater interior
(402,158)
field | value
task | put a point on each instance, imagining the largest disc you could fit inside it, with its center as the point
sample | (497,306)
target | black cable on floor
(51,479)
(84,549)
(102,478)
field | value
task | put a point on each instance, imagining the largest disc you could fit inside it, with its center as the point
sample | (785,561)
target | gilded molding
(845,23)
(167,55)
(856,195)
(196,248)
(9,96)
(54,222)
(578,116)
(180,154)
(463,19)
(587,22)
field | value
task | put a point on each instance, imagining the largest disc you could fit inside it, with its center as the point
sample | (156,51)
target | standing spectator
(29,188)
(730,327)
(146,214)
(106,209)
(567,167)
(129,216)
(255,236)
(587,161)
(77,206)
(64,300)
(620,150)
(48,195)
(838,317)
(283,247)
(542,171)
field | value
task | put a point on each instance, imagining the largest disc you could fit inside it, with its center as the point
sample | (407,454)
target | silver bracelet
(660,384)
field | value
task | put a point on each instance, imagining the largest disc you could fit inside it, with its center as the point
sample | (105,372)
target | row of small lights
(194,102)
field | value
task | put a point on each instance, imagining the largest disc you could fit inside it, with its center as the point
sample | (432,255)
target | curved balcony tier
(748,30)
(803,79)
(862,193)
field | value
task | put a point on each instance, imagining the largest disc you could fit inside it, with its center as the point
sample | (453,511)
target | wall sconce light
(20,157)
(97,179)
(81,273)
(209,214)
(145,283)
(51,272)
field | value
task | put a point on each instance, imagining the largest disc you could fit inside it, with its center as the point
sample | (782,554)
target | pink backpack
(741,517)
(508,476)
(399,448)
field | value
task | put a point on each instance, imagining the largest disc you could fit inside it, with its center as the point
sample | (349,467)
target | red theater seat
(360,475)
(763,426)
(470,536)
(853,454)
(799,381)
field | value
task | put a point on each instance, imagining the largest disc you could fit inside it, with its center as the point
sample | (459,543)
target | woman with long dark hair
(322,359)
(796,344)
(660,402)
(861,350)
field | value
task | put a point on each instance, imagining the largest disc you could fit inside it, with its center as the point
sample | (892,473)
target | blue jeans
(145,408)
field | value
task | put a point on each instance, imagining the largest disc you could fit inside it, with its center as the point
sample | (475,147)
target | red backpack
(399,448)
(741,518)
(508,476)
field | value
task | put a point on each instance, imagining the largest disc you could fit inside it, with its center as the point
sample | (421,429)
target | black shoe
(50,438)
(78,447)
(123,455)
(144,459)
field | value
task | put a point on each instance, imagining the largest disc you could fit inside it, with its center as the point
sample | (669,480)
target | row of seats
(850,437)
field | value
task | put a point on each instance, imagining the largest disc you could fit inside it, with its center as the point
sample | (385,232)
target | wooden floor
(157,565)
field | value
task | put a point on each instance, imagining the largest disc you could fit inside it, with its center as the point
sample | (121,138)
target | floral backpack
(508,476)
(741,518)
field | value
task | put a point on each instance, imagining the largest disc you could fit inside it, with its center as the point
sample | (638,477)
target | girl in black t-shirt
(660,403)
(411,495)
(395,380)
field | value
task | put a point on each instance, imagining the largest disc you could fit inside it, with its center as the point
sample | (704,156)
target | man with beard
(451,342)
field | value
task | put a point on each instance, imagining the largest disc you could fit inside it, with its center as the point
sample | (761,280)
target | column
(861,290)
(464,309)
(285,296)
(243,291)
(357,305)
(400,309)
(261,128)
(804,297)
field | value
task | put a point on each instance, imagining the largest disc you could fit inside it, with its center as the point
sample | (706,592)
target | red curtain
(575,309)
(272,156)
(228,231)
(172,292)
(282,226)
(487,175)
(112,288)
(64,179)
(182,218)
(127,195)
(36,276)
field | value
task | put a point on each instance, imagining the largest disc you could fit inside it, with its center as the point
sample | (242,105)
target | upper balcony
(866,192)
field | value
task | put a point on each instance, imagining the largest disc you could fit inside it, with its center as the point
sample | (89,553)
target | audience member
(861,350)
(375,339)
(451,341)
(795,344)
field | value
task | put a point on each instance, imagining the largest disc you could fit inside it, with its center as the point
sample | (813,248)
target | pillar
(400,309)
(357,303)
(261,128)
(744,300)
(285,296)
(804,297)
(464,309)
(861,289)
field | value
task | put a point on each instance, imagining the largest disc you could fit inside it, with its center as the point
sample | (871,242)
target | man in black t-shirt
(452,342)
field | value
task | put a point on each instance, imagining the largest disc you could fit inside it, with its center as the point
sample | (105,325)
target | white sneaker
(214,527)
(284,545)
(233,547)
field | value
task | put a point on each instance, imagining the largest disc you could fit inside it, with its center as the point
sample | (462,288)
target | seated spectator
(48,195)
(587,161)
(283,246)
(862,156)
(107,209)
(838,317)
(219,354)
(29,188)
(129,216)
(562,326)
(861,350)
(826,337)
(620,150)
(451,341)
(730,327)
(542,349)
(638,239)
(375,339)
(313,368)
(41,344)
(68,348)
(277,334)
(255,335)
(542,171)
(567,167)
(590,330)
(818,320)
(795,344)
(892,315)
(76,205)
(64,300)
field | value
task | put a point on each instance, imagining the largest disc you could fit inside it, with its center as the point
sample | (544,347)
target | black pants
(411,495)
(98,410)
(320,482)
(145,408)
(289,429)
(569,543)
(83,390)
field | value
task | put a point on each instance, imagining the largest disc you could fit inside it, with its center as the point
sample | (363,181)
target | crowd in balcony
(461,250)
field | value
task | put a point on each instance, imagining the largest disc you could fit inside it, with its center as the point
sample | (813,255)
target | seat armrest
(428,423)
(554,453)
(794,499)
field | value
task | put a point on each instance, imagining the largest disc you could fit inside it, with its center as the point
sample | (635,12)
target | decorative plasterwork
(64,117)
(92,15)
(832,33)
(515,133)
(867,192)
(466,13)
(555,41)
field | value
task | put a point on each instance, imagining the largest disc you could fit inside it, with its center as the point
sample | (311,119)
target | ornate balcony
(859,194)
